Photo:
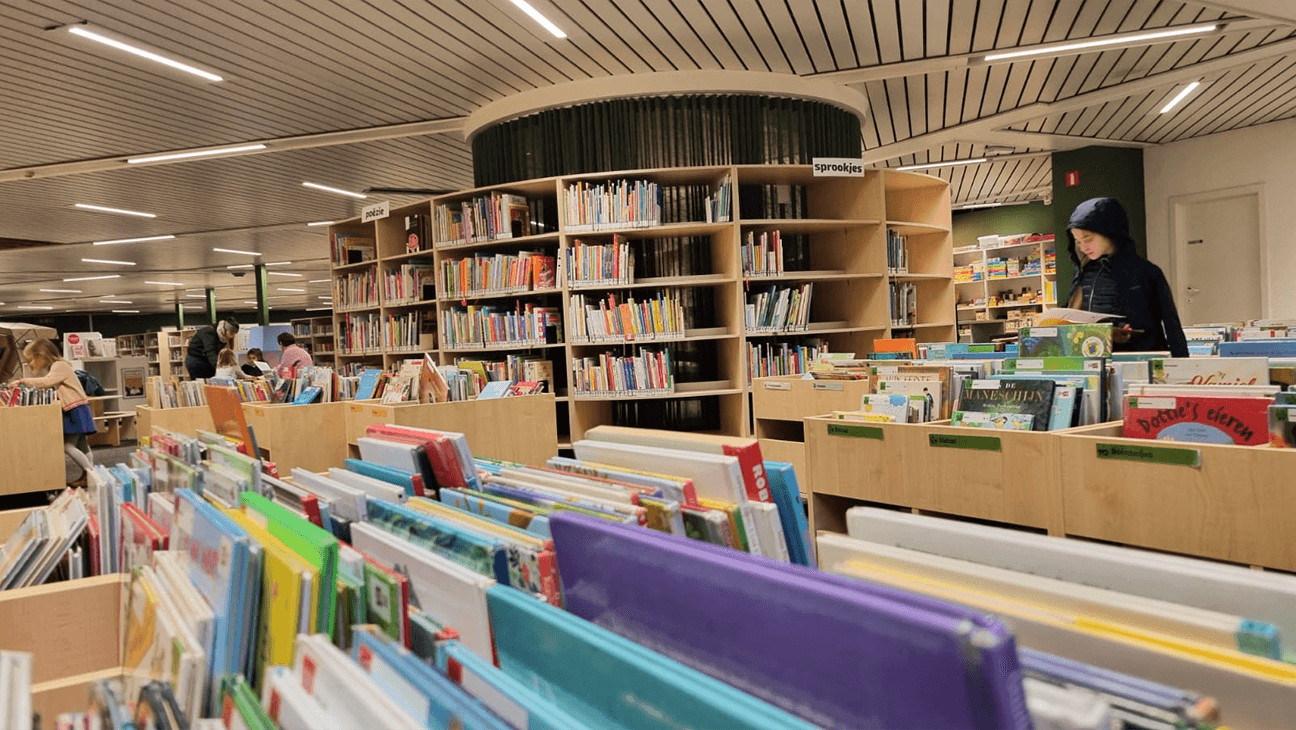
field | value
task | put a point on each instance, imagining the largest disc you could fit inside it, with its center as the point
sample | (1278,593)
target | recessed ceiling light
(282,273)
(319,281)
(115,301)
(93,278)
(951,163)
(24,306)
(1121,40)
(239,266)
(198,153)
(321,223)
(279,263)
(525,7)
(1180,96)
(62,291)
(118,211)
(166,283)
(109,261)
(125,311)
(133,240)
(98,37)
(328,189)
(324,297)
(231,250)
(980,205)
(284,288)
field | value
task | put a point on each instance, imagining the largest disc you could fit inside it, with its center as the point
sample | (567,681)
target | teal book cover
(487,556)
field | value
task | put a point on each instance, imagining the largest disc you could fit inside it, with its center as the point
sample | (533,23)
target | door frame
(1178,257)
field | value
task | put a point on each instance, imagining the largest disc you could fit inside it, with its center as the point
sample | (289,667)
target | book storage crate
(311,436)
(189,420)
(31,449)
(521,429)
(780,403)
(73,630)
(1232,503)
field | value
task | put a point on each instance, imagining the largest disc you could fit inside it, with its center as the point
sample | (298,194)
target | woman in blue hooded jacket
(1111,278)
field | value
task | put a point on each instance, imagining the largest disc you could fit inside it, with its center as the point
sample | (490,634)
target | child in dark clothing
(1111,278)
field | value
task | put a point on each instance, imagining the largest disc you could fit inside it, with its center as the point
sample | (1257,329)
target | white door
(1219,249)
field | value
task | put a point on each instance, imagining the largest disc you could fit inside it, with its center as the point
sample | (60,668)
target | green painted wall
(1005,220)
(1105,172)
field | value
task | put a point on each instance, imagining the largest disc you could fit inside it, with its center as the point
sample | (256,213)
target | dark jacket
(205,345)
(1142,294)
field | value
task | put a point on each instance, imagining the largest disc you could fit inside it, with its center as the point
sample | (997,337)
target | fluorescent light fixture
(283,273)
(125,311)
(525,7)
(93,278)
(1121,40)
(284,288)
(951,163)
(196,296)
(231,250)
(279,263)
(239,266)
(133,240)
(85,32)
(1190,88)
(115,301)
(62,291)
(328,189)
(118,211)
(166,283)
(321,223)
(319,309)
(199,153)
(324,297)
(319,281)
(24,306)
(108,261)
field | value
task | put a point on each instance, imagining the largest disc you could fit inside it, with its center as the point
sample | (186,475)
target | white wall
(1263,155)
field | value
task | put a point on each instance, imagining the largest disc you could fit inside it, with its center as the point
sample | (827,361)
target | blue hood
(1105,216)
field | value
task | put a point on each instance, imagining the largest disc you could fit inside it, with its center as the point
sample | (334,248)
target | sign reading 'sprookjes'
(837,167)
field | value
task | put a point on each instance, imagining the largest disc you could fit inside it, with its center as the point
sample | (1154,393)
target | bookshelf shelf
(354,310)
(834,230)
(1019,251)
(806,225)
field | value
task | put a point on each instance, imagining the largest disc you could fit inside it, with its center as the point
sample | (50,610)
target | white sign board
(374,212)
(838,167)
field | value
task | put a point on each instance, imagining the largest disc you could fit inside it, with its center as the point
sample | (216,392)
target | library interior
(931,358)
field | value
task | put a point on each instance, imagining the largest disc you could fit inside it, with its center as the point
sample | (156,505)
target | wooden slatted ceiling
(306,66)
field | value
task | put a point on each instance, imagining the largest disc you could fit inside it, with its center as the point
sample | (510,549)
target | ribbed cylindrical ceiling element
(665,131)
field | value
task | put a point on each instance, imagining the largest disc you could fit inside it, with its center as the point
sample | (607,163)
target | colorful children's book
(1198,418)
(313,544)
(1002,421)
(1211,371)
(1066,340)
(1282,426)
(1033,397)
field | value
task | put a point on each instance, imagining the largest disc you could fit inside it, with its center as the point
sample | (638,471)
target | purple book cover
(837,652)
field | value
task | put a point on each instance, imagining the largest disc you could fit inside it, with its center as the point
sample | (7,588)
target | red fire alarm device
(1073,178)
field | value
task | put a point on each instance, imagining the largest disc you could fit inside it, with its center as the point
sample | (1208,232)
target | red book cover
(310,506)
(93,528)
(442,457)
(1198,418)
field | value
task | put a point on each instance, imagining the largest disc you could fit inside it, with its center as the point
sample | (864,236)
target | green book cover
(312,543)
(1066,340)
(383,604)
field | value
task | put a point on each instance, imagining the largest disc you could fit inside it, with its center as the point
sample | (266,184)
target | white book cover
(769,526)
(291,707)
(343,689)
(714,476)
(1211,371)
(347,501)
(449,593)
(373,488)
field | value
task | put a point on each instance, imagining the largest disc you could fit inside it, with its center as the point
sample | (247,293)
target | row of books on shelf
(350,248)
(598,264)
(897,252)
(484,218)
(1206,339)
(650,372)
(904,304)
(762,254)
(356,290)
(420,380)
(26,395)
(498,274)
(409,283)
(616,318)
(420,587)
(777,309)
(614,204)
(315,384)
(526,324)
(770,359)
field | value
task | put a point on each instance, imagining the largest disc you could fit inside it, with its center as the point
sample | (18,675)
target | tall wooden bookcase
(990,307)
(844,219)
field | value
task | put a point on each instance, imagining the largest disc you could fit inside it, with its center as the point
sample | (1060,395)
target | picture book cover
(1211,371)
(1066,340)
(894,405)
(1198,418)
(1066,406)
(312,543)
(308,395)
(1282,426)
(486,556)
(1002,421)
(386,600)
(1026,396)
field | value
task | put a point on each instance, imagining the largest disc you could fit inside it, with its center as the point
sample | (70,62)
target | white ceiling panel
(300,67)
